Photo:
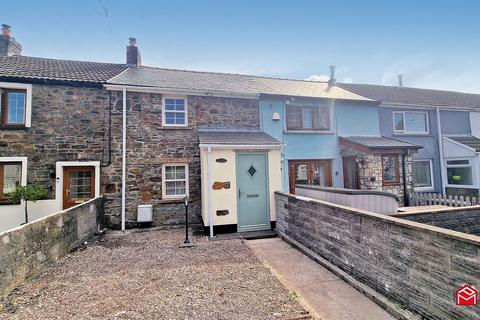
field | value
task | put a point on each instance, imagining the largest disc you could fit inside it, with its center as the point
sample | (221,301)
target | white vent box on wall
(145,213)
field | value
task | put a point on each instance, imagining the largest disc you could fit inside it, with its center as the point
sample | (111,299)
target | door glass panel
(80,185)
(301,173)
(319,171)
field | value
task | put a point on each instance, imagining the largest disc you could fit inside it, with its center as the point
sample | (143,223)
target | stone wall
(27,250)
(462,219)
(371,175)
(416,265)
(68,124)
(149,145)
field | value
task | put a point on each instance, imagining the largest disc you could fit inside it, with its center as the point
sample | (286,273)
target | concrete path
(321,291)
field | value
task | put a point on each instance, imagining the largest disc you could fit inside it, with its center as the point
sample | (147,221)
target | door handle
(239,194)
(251,195)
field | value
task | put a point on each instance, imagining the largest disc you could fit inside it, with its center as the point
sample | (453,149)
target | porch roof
(378,143)
(469,141)
(237,138)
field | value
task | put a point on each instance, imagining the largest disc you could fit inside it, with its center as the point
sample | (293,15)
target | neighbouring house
(425,118)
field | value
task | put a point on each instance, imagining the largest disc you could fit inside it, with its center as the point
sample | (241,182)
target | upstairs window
(410,122)
(174,112)
(14,104)
(10,178)
(308,118)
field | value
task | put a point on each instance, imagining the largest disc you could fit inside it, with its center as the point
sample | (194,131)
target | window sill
(173,200)
(410,134)
(12,128)
(424,189)
(175,128)
(8,203)
(308,131)
(390,184)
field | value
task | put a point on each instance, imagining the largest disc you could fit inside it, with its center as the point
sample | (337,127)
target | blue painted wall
(455,122)
(348,119)
(429,142)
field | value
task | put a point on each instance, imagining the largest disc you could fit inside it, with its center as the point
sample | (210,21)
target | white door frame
(59,179)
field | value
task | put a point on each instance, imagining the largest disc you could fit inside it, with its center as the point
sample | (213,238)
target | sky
(434,44)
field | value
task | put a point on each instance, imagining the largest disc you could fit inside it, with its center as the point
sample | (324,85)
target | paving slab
(326,295)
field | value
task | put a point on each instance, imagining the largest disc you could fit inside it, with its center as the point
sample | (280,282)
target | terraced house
(147,138)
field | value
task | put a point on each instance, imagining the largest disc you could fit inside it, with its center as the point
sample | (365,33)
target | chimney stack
(8,45)
(332,81)
(133,54)
(400,80)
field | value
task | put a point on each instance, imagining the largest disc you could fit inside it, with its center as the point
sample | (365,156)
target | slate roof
(229,83)
(380,142)
(470,141)
(63,70)
(414,96)
(237,138)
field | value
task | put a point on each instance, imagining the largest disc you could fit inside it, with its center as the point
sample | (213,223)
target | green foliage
(28,193)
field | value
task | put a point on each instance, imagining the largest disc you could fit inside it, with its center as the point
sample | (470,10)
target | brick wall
(464,219)
(27,250)
(416,265)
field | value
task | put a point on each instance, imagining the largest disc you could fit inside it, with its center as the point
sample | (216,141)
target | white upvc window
(15,105)
(174,180)
(410,122)
(175,112)
(459,173)
(423,175)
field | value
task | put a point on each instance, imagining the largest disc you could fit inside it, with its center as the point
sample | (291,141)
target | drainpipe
(124,153)
(440,150)
(406,202)
(209,190)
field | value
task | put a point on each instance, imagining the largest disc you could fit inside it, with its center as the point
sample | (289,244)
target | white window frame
(432,186)
(405,131)
(164,123)
(187,182)
(469,165)
(28,103)
(23,173)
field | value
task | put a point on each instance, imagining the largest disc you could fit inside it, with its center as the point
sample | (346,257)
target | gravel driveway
(147,276)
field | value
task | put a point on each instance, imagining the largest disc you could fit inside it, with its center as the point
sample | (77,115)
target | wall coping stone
(393,220)
(349,191)
(437,210)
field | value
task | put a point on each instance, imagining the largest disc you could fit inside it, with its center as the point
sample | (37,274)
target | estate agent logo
(466,296)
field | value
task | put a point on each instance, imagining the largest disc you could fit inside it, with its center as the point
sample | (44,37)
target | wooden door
(78,185)
(311,172)
(350,173)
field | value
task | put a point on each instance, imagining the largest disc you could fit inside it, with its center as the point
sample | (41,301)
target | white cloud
(318,77)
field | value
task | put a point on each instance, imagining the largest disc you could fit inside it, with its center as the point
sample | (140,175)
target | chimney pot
(132,41)
(6,30)
(332,79)
(400,80)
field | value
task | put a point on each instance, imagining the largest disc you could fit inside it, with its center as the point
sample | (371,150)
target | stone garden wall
(27,250)
(416,265)
(462,219)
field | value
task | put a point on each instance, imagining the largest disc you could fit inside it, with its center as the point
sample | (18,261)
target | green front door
(252,192)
